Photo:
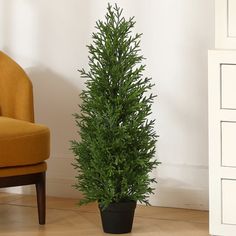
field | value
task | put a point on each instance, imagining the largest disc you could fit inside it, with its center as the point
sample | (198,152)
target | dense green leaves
(117,147)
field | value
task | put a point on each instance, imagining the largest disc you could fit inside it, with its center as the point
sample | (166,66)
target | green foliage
(115,154)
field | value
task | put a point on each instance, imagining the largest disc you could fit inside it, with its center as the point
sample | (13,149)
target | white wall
(48,39)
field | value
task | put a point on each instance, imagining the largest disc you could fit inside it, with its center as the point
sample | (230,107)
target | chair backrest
(16,92)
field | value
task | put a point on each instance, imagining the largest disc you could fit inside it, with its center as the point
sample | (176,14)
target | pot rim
(120,206)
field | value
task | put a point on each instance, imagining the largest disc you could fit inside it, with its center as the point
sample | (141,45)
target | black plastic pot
(117,218)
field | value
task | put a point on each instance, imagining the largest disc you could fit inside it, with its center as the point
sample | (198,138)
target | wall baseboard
(56,187)
(166,196)
(180,198)
(181,186)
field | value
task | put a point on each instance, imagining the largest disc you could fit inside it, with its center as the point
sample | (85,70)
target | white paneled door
(222,142)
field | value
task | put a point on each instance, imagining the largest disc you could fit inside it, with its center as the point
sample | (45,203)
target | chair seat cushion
(22,143)
(23,170)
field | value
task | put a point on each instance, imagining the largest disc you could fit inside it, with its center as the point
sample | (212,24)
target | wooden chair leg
(41,198)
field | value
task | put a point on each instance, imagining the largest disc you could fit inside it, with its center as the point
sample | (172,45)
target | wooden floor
(18,217)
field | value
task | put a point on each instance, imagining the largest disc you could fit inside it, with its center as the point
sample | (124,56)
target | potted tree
(117,141)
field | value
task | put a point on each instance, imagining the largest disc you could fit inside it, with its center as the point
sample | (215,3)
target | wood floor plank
(19,218)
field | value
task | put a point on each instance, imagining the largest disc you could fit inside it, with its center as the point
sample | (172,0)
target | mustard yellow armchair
(24,145)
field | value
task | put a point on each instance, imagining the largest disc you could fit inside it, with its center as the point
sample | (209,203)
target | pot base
(117,218)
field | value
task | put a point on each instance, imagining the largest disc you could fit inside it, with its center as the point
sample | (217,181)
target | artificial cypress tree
(117,141)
